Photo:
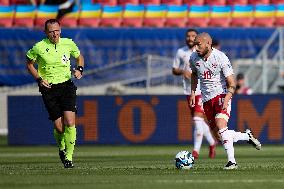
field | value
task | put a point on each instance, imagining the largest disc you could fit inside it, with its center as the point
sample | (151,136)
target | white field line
(81,154)
(222,181)
(28,154)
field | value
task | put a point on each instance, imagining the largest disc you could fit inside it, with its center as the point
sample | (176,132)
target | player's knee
(69,122)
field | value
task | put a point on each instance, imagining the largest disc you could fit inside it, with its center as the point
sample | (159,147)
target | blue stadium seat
(242,16)
(264,15)
(6,15)
(198,16)
(133,15)
(176,16)
(220,16)
(25,15)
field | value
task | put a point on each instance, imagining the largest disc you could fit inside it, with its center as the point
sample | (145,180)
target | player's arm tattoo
(232,89)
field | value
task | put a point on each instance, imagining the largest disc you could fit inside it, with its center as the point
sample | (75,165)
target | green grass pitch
(136,167)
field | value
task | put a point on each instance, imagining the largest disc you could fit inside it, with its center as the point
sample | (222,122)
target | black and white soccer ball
(184,160)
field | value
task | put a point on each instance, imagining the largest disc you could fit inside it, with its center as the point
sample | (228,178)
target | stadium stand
(216,2)
(133,16)
(258,2)
(44,13)
(237,2)
(176,16)
(242,16)
(198,16)
(20,2)
(25,15)
(150,2)
(4,2)
(264,16)
(111,16)
(155,16)
(172,2)
(70,19)
(276,2)
(279,15)
(90,15)
(220,16)
(194,2)
(124,2)
(106,2)
(86,2)
(6,15)
(155,13)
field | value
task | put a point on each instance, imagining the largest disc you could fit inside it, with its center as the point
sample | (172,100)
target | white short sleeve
(226,66)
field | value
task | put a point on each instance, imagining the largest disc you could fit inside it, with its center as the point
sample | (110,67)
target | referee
(53,75)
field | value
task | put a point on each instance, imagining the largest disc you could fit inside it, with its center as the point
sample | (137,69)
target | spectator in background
(241,88)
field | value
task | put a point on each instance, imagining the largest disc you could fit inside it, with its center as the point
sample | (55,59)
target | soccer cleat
(62,154)
(253,141)
(212,151)
(195,154)
(230,165)
(68,164)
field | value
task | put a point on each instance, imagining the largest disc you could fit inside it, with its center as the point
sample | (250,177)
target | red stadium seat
(155,16)
(20,2)
(25,15)
(215,2)
(276,2)
(150,2)
(172,2)
(124,2)
(90,15)
(6,16)
(279,16)
(242,16)
(193,2)
(259,2)
(106,2)
(220,16)
(133,16)
(111,16)
(70,19)
(176,16)
(198,16)
(4,2)
(264,16)
(237,2)
(45,12)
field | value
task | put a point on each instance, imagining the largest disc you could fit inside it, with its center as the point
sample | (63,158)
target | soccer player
(181,67)
(53,75)
(217,85)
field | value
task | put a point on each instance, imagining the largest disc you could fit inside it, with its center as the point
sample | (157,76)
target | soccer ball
(184,160)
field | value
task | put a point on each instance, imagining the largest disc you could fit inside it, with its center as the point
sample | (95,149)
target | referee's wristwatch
(80,68)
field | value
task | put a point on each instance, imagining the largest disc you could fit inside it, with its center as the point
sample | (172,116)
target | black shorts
(59,98)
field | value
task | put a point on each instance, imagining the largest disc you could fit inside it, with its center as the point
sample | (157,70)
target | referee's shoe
(68,164)
(62,155)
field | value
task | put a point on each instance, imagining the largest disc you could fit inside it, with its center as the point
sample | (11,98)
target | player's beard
(204,53)
(190,44)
